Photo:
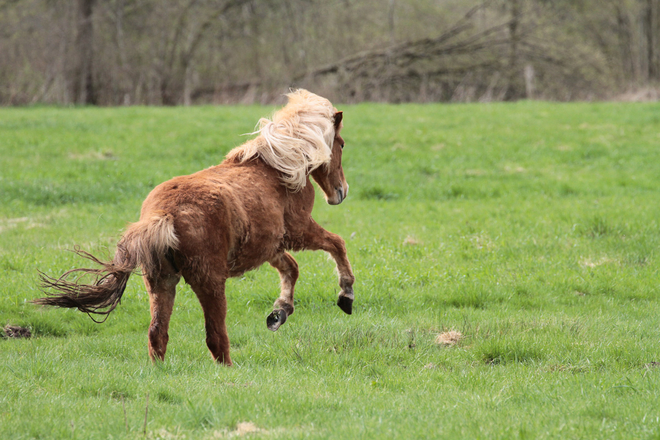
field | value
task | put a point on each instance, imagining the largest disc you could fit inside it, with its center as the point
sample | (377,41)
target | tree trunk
(626,50)
(187,86)
(650,31)
(174,77)
(512,92)
(83,83)
(390,21)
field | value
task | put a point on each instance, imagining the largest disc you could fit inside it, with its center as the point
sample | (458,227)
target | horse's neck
(303,199)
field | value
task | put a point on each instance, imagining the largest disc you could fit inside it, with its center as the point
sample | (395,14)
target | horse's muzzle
(340,194)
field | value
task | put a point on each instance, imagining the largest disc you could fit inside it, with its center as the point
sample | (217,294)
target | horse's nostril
(340,193)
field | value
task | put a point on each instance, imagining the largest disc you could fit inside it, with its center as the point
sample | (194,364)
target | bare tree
(650,19)
(83,81)
(189,31)
(191,51)
(514,38)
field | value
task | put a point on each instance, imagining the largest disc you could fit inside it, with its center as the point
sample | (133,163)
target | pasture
(530,228)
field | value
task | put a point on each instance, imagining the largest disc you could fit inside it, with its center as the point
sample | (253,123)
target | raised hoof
(276,319)
(346,304)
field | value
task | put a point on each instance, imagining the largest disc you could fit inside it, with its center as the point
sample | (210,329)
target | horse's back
(230,212)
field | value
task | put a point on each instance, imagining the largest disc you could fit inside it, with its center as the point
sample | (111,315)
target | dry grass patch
(514,169)
(475,173)
(10,223)
(164,434)
(93,155)
(242,429)
(411,241)
(482,241)
(449,339)
(588,262)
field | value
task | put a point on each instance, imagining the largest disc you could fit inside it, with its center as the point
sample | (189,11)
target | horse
(252,208)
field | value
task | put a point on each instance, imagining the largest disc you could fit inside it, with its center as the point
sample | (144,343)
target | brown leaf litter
(14,331)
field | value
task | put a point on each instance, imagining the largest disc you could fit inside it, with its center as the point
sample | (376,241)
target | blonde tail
(144,244)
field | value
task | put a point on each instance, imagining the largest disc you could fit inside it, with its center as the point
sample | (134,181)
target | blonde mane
(297,140)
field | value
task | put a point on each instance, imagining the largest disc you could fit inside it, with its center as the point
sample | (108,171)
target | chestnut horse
(226,220)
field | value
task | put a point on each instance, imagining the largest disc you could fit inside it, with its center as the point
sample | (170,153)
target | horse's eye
(342,145)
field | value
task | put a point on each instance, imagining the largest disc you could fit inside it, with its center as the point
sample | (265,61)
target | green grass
(531,228)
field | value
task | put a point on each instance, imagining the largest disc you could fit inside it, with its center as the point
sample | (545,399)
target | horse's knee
(294,272)
(346,281)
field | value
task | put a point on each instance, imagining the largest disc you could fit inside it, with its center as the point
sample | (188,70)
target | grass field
(530,228)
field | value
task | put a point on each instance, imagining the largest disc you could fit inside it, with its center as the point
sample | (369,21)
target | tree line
(174,52)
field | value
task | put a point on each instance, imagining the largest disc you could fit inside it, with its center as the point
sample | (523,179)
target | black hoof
(346,304)
(276,319)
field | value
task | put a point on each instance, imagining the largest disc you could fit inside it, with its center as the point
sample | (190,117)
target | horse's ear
(338,118)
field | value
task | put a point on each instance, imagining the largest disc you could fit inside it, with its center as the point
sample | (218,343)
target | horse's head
(331,176)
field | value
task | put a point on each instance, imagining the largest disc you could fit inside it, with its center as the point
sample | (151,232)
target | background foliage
(213,51)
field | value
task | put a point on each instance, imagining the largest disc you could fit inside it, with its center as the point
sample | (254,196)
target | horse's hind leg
(288,268)
(210,290)
(162,290)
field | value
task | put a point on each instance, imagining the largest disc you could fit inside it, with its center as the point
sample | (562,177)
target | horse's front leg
(317,238)
(288,268)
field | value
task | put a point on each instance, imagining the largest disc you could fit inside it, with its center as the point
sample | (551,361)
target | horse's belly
(252,254)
